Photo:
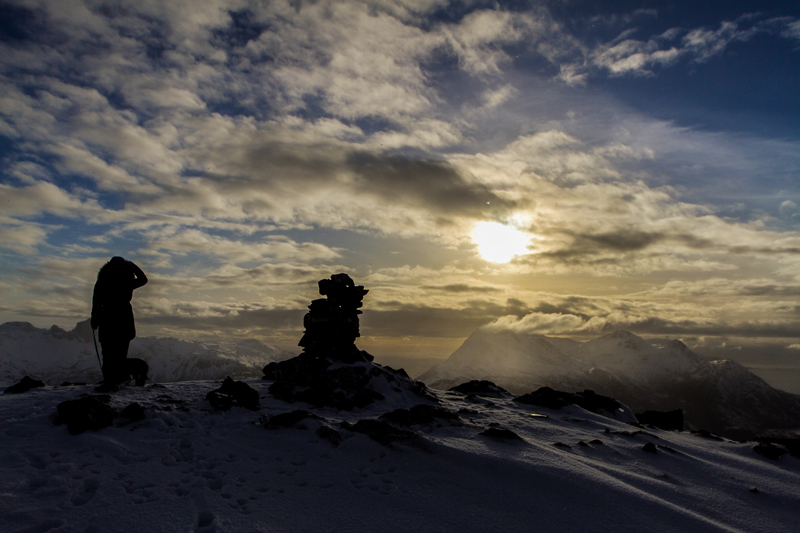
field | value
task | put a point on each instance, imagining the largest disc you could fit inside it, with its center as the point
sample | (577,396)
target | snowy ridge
(721,396)
(56,355)
(186,467)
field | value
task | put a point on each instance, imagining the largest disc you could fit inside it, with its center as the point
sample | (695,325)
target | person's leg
(114,355)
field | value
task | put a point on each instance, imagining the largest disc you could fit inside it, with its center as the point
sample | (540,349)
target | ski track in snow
(186,467)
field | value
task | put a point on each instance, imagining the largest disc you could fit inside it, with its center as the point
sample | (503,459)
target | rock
(596,442)
(595,403)
(499,433)
(25,384)
(285,420)
(331,325)
(384,433)
(666,420)
(89,412)
(481,388)
(769,450)
(649,448)
(330,435)
(706,434)
(562,445)
(233,393)
(419,414)
(133,412)
(792,444)
(332,371)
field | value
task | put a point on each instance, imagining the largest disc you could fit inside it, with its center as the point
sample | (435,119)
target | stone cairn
(331,371)
(332,322)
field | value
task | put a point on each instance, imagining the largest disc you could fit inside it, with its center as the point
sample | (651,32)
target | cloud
(624,56)
(22,240)
(536,323)
(278,248)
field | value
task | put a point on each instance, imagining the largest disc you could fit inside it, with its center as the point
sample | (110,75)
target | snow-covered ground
(186,467)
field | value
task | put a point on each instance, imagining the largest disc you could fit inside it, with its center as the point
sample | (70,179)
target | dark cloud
(770,290)
(279,318)
(421,321)
(429,183)
(460,287)
(624,241)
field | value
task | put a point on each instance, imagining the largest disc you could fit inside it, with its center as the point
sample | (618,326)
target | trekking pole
(97,351)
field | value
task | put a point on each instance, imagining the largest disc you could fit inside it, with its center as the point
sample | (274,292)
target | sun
(499,243)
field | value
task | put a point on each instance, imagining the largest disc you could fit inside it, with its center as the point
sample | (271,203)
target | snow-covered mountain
(55,355)
(490,464)
(721,396)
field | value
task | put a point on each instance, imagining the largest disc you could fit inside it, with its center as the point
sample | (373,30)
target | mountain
(721,396)
(55,355)
(478,464)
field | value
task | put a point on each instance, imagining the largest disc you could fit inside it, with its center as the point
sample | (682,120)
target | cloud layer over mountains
(240,151)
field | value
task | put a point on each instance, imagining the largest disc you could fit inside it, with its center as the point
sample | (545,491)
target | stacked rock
(317,376)
(332,322)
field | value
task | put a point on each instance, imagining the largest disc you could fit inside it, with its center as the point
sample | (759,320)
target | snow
(186,467)
(56,356)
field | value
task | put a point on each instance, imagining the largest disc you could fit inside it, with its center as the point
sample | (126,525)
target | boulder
(421,414)
(233,393)
(502,434)
(285,420)
(595,403)
(481,388)
(25,384)
(666,420)
(89,412)
(133,412)
(384,433)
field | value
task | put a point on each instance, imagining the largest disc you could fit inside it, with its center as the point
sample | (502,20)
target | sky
(567,167)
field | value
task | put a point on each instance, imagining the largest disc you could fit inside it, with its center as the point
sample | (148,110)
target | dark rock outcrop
(233,393)
(553,399)
(134,412)
(25,384)
(480,388)
(649,448)
(89,412)
(501,434)
(286,420)
(666,420)
(419,415)
(384,433)
(770,450)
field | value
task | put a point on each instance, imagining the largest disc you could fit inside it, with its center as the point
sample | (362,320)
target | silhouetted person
(113,315)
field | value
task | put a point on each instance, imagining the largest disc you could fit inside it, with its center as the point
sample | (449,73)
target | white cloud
(23,240)
(538,323)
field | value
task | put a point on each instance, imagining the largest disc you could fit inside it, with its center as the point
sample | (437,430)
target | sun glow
(499,243)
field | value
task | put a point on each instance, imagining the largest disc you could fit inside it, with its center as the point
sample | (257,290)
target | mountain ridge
(721,396)
(56,355)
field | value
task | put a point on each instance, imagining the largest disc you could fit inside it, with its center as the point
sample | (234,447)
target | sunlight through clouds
(499,243)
